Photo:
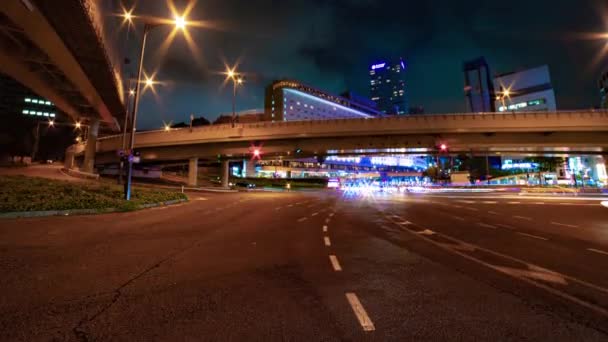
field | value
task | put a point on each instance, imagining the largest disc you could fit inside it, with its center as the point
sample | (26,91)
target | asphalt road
(314,266)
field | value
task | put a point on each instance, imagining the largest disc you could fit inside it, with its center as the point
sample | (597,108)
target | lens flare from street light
(128,16)
(131,92)
(167,128)
(78,125)
(239,81)
(180,22)
(51,123)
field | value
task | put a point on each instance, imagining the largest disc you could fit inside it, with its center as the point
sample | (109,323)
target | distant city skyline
(333,51)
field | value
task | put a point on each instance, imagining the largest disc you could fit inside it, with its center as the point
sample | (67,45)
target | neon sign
(378,66)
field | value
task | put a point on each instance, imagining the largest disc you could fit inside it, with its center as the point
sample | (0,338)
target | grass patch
(20,193)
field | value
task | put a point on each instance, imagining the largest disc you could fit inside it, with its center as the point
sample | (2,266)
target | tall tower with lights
(387,86)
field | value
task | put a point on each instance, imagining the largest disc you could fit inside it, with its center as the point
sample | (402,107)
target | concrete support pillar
(248,168)
(225,173)
(193,171)
(90,148)
(68,163)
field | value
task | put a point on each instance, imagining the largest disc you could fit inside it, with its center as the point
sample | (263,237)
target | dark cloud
(330,43)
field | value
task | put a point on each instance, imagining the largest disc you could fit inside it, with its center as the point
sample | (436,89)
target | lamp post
(124,130)
(180,23)
(236,81)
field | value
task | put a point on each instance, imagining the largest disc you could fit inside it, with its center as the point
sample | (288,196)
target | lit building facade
(289,100)
(387,87)
(528,90)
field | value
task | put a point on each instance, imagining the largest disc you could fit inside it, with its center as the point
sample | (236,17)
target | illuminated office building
(289,100)
(525,91)
(387,87)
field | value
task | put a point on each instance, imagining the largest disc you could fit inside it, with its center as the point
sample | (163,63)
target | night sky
(330,45)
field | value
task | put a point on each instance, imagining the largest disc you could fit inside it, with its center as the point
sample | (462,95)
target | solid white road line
(565,225)
(523,217)
(302,219)
(334,263)
(597,251)
(485,225)
(355,304)
(324,229)
(327,241)
(532,236)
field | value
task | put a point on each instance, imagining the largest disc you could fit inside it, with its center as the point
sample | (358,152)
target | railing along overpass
(526,133)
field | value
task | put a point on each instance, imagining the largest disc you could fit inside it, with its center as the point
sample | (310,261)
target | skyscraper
(387,87)
(478,86)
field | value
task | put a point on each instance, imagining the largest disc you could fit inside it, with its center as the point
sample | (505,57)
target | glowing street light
(51,123)
(443,147)
(131,92)
(236,80)
(180,23)
(78,125)
(167,128)
(127,16)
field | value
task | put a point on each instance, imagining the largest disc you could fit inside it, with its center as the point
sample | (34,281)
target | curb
(70,212)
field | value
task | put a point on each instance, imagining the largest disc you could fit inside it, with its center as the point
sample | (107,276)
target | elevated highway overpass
(526,133)
(61,50)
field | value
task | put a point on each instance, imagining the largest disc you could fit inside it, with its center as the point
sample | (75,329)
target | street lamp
(236,81)
(506,93)
(180,23)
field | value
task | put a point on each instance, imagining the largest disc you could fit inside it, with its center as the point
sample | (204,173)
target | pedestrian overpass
(521,133)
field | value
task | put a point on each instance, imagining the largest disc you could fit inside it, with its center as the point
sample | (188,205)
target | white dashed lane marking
(523,217)
(564,225)
(502,225)
(485,225)
(359,310)
(597,251)
(314,214)
(334,263)
(302,219)
(493,212)
(532,236)
(327,241)
(324,229)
